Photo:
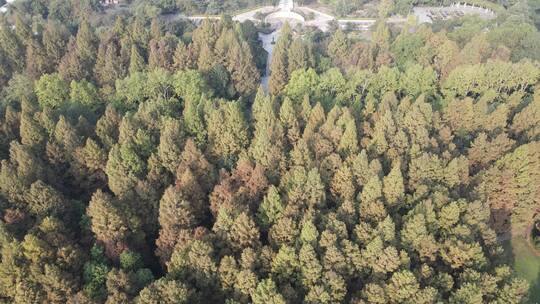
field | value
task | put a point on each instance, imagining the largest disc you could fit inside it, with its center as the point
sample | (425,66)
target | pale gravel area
(252,14)
(430,14)
(320,19)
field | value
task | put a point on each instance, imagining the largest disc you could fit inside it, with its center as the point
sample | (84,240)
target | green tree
(271,208)
(182,58)
(279,65)
(244,232)
(95,274)
(175,214)
(106,217)
(348,144)
(402,286)
(164,291)
(266,292)
(244,73)
(85,93)
(55,37)
(267,144)
(191,86)
(227,131)
(11,47)
(298,57)
(338,48)
(302,83)
(170,144)
(136,60)
(418,80)
(86,42)
(43,200)
(36,61)
(52,91)
(393,185)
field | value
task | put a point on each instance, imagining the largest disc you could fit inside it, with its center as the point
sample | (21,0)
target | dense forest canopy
(142,162)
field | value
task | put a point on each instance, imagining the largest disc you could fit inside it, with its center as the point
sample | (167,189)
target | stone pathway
(268,42)
(320,19)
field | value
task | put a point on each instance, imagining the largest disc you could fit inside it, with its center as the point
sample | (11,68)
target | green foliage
(499,76)
(407,48)
(95,273)
(43,200)
(418,80)
(382,171)
(136,63)
(85,93)
(338,47)
(191,86)
(271,208)
(227,131)
(52,91)
(393,187)
(130,260)
(132,87)
(279,74)
(164,291)
(302,83)
(266,292)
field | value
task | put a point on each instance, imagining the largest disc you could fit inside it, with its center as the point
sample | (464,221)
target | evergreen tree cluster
(141,166)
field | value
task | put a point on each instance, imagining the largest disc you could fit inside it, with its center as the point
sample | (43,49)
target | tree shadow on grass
(534,291)
(525,260)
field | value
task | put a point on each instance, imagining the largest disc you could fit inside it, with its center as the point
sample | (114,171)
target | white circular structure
(284,16)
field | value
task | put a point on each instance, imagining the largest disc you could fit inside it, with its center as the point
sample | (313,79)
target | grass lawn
(526,262)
